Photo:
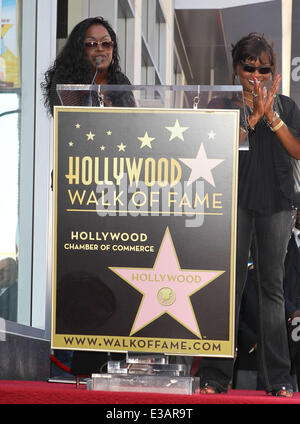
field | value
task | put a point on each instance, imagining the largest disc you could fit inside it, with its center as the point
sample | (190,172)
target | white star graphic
(211,135)
(201,166)
(90,136)
(176,131)
(121,147)
(146,140)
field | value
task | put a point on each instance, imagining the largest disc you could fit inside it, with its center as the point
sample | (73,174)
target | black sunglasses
(106,45)
(247,67)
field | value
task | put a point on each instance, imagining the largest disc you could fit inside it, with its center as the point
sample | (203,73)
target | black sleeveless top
(266,182)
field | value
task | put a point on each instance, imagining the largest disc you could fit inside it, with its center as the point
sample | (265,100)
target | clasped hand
(263,100)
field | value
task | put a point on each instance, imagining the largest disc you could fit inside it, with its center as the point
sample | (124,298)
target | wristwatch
(275,116)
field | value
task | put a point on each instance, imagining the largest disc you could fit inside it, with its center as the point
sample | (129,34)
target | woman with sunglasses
(265,212)
(90,55)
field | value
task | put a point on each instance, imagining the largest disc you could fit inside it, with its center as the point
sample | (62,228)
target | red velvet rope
(59,364)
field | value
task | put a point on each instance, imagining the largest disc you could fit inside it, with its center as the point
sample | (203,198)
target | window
(153,43)
(160,39)
(16,159)
(24,184)
(125,34)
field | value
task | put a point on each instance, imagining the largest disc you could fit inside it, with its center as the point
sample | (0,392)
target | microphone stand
(98,62)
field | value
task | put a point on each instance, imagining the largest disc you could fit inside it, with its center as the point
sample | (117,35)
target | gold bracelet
(278,126)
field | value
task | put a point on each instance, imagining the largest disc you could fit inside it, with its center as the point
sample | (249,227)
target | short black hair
(252,46)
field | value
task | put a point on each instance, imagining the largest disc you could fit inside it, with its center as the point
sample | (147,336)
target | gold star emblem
(90,136)
(102,147)
(71,144)
(121,147)
(77,126)
(108,132)
(146,140)
(176,131)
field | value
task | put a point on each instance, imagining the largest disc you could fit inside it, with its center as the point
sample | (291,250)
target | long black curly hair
(72,66)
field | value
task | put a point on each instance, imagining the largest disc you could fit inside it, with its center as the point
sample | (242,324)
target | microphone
(98,63)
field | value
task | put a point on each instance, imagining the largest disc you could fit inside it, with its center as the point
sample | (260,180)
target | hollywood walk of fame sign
(144,230)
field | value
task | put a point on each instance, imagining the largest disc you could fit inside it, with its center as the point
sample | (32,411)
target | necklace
(249,101)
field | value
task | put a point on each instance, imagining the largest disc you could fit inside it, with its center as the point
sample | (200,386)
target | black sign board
(144,230)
